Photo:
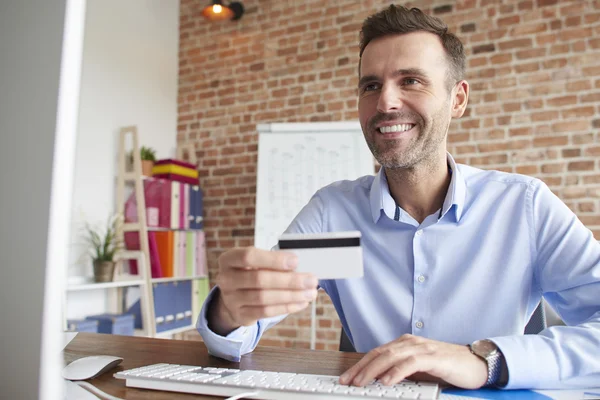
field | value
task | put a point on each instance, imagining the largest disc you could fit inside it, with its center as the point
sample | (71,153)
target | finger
(251,257)
(410,366)
(402,355)
(259,312)
(382,358)
(276,297)
(266,279)
(353,371)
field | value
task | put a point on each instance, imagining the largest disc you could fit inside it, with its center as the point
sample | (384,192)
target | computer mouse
(89,367)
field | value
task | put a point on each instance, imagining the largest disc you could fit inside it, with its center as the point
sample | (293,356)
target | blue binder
(186,302)
(161,293)
(195,198)
(169,305)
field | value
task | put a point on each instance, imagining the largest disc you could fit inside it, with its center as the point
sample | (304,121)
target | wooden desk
(138,351)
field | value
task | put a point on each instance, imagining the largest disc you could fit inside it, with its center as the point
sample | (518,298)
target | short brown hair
(396,20)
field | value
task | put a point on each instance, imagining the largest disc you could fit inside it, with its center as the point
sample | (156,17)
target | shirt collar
(381,198)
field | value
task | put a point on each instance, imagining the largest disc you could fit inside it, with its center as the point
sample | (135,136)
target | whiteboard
(297,159)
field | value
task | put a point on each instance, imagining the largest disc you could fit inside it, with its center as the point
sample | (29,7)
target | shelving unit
(106,285)
(122,279)
(136,179)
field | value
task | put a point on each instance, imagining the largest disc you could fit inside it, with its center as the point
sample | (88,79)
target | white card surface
(333,255)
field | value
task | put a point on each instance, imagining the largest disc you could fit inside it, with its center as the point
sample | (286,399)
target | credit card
(331,255)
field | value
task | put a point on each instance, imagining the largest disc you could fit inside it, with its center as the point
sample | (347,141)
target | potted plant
(148,156)
(104,245)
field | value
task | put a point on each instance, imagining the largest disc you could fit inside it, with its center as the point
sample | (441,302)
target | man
(456,258)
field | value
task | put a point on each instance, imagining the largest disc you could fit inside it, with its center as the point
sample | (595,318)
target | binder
(200,209)
(201,268)
(187,303)
(169,305)
(164,244)
(152,199)
(155,267)
(165,195)
(186,202)
(175,193)
(182,253)
(176,253)
(132,242)
(160,293)
(182,214)
(191,244)
(201,290)
(183,304)
(194,196)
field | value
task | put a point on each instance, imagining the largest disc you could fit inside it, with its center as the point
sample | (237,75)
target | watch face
(484,348)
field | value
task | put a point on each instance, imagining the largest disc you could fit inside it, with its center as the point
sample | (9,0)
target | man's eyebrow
(366,79)
(418,72)
(410,71)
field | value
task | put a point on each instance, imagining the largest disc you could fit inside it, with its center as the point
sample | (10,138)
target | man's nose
(389,99)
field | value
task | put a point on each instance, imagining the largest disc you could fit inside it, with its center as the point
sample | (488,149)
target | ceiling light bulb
(217,8)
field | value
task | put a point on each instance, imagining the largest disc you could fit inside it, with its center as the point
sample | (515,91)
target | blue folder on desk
(496,394)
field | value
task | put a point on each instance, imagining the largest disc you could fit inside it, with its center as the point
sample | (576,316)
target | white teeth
(395,128)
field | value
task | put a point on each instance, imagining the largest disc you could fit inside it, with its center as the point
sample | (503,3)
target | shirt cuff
(530,361)
(230,347)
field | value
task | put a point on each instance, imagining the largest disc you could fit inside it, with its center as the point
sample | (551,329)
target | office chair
(536,324)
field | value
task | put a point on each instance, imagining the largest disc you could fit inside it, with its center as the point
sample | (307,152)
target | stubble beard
(422,149)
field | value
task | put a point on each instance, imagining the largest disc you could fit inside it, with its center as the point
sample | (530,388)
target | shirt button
(421,278)
(419,232)
(419,324)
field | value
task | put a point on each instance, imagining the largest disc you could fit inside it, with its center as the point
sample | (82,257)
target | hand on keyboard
(410,355)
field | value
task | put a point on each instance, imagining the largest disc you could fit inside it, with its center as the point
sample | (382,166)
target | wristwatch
(497,369)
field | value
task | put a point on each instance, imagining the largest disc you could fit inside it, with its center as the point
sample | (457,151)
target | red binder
(132,242)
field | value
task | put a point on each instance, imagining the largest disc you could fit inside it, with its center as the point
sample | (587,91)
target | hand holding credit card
(332,255)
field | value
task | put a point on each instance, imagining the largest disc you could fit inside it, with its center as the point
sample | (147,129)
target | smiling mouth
(395,128)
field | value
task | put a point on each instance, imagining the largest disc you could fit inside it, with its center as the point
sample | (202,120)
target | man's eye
(410,81)
(370,87)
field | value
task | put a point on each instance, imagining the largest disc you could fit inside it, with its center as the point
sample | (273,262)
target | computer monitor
(40,61)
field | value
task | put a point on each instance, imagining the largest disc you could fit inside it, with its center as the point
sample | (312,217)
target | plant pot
(104,271)
(147,167)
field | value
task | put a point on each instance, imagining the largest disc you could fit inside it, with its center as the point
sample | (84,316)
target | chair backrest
(536,324)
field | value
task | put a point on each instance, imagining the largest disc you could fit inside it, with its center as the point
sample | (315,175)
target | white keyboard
(265,385)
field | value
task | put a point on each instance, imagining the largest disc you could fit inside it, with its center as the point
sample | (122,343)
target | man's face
(405,105)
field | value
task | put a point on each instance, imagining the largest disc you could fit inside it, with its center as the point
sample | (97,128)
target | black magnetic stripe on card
(287,244)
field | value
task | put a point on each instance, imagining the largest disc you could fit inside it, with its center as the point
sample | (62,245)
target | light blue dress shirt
(503,241)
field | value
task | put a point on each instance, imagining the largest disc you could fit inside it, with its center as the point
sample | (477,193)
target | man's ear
(460,97)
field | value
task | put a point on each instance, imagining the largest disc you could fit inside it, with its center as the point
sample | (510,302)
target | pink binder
(164,213)
(132,242)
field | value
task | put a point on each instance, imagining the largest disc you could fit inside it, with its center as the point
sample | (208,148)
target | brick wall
(534,69)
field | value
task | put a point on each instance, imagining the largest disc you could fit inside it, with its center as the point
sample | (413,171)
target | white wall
(129,77)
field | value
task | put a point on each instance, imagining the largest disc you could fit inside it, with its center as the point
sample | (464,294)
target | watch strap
(497,368)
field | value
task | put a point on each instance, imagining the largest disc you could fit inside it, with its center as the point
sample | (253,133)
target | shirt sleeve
(567,270)
(245,339)
(238,342)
